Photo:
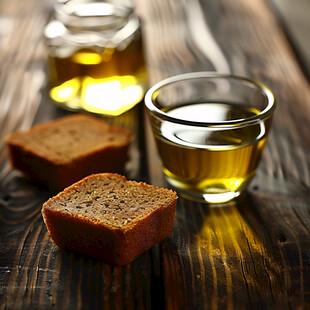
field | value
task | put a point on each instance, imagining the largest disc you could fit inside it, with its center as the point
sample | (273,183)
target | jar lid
(92,23)
(93,15)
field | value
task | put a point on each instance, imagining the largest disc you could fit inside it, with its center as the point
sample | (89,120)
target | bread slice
(108,217)
(63,151)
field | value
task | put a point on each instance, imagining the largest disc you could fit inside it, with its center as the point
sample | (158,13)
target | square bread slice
(60,152)
(109,217)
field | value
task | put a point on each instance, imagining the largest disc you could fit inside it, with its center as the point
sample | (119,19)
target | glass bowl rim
(264,114)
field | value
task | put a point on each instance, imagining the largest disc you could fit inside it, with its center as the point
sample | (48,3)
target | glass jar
(95,60)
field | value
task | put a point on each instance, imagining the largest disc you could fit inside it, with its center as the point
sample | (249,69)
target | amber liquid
(210,161)
(108,83)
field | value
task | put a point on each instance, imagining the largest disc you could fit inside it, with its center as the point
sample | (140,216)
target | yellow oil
(206,160)
(109,83)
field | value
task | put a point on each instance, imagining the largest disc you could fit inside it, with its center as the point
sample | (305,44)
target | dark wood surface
(251,254)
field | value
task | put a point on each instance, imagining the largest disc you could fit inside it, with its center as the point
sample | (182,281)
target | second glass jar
(96,60)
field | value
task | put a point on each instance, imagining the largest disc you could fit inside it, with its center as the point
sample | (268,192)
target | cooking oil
(210,160)
(96,60)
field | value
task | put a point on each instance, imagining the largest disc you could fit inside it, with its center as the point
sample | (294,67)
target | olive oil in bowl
(209,160)
(210,130)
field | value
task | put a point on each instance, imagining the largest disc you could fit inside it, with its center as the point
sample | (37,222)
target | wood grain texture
(34,273)
(251,254)
(294,18)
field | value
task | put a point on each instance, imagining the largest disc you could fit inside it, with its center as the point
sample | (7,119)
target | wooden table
(253,254)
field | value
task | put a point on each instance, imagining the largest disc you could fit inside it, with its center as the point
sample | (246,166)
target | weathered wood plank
(294,16)
(255,252)
(34,273)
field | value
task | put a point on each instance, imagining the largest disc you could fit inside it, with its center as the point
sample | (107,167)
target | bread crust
(114,245)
